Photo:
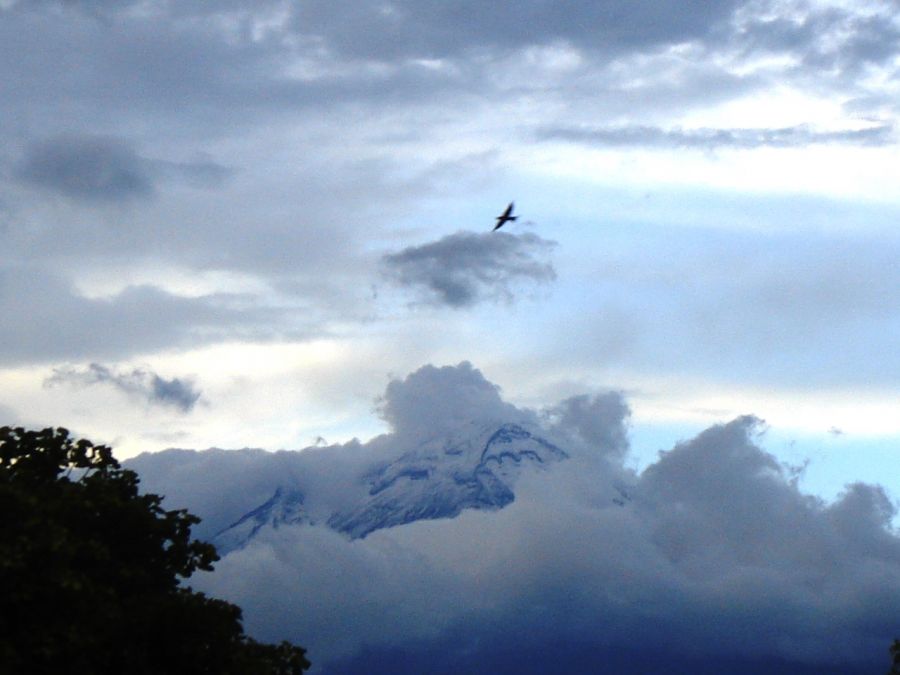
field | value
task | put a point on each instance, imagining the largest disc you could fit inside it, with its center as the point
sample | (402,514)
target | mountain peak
(284,507)
(473,468)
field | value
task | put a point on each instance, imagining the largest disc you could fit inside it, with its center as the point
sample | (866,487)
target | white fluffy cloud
(432,401)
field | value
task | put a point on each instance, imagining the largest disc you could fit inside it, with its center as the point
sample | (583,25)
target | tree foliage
(895,658)
(91,571)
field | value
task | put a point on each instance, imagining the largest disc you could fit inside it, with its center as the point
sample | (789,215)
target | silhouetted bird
(504,217)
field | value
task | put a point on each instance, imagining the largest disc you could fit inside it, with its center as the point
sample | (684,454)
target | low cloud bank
(710,560)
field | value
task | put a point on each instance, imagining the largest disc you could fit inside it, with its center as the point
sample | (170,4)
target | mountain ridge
(472,468)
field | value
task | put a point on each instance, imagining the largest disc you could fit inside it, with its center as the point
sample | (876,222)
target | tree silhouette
(91,570)
(895,658)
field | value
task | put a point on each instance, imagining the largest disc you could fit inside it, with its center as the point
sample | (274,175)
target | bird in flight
(505,217)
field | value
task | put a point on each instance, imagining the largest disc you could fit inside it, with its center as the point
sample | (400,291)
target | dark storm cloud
(710,139)
(464,268)
(179,393)
(105,169)
(711,560)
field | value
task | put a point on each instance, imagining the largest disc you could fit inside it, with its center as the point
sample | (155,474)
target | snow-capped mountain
(475,468)
(285,507)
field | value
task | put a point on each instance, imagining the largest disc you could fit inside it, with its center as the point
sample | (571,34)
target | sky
(234,224)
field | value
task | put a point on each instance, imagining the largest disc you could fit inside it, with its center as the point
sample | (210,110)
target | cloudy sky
(230,223)
(240,224)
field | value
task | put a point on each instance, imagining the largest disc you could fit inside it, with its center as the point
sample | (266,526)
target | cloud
(105,169)
(597,421)
(43,318)
(203,70)
(465,268)
(432,401)
(200,69)
(139,383)
(804,308)
(435,30)
(837,42)
(9,416)
(711,560)
(198,173)
(86,168)
(709,139)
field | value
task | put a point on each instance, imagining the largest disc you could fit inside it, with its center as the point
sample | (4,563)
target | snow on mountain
(284,508)
(473,468)
(445,476)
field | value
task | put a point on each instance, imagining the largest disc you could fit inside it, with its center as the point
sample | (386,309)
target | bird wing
(508,211)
